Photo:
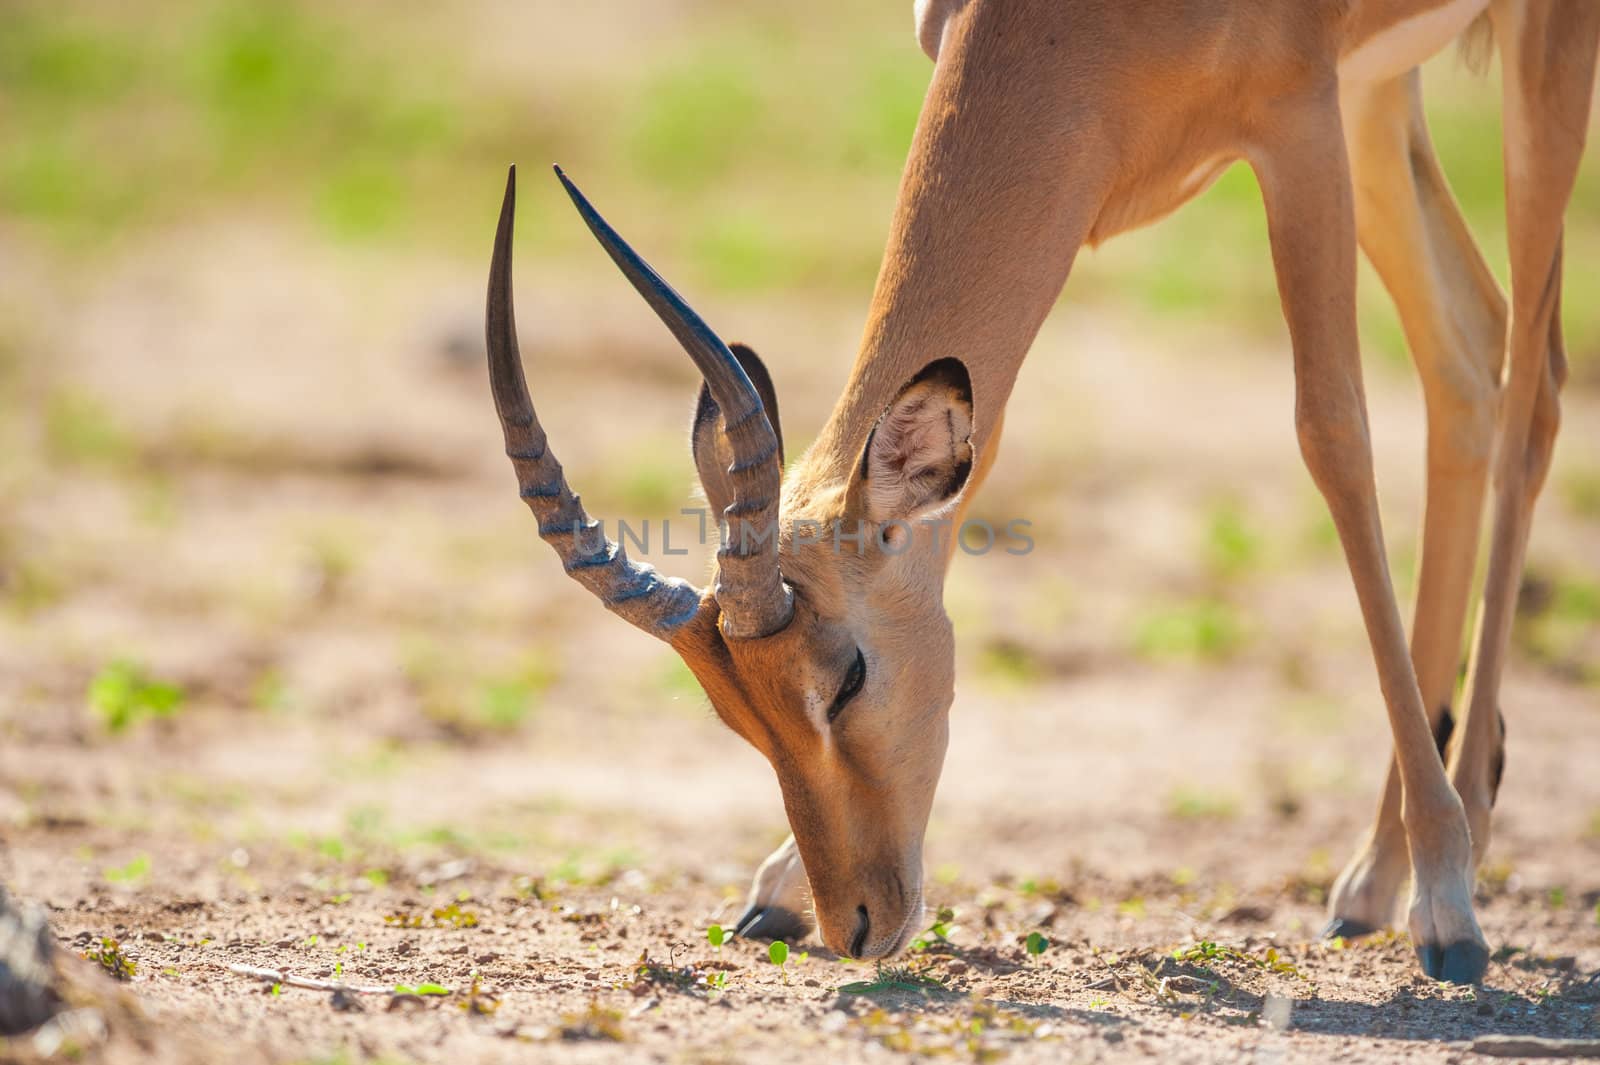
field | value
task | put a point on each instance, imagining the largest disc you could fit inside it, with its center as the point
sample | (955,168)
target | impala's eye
(853,681)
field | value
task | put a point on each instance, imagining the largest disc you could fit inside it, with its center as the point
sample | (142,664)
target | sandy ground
(304,521)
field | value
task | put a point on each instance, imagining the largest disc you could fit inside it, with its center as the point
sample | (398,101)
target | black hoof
(1459,963)
(772,922)
(1346,928)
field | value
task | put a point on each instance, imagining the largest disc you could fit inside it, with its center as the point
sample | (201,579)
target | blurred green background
(756,147)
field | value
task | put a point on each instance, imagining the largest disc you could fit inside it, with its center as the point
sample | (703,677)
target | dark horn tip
(572,190)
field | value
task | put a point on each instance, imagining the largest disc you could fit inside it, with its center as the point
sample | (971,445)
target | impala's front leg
(779,903)
(1455,323)
(1301,164)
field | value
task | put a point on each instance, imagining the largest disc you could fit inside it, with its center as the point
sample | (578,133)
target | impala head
(822,639)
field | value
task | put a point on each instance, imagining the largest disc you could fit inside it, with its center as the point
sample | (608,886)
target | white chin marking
(1408,42)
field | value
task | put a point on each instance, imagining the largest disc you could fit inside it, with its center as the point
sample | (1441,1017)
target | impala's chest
(1157,190)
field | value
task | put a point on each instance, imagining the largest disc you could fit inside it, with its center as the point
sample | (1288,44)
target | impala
(1050,124)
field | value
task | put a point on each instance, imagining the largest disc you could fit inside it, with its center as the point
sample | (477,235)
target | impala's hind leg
(1306,183)
(1454,318)
(1549,70)
(779,904)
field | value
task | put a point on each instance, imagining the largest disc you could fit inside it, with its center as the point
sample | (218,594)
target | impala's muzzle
(878,924)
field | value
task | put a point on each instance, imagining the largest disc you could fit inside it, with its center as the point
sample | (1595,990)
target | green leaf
(123,695)
(715,935)
(132,873)
(1036,944)
(778,953)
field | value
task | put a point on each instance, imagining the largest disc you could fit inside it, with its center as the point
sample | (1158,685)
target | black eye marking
(853,681)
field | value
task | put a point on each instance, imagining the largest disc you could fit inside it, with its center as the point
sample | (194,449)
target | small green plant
(451,916)
(1198,630)
(80,429)
(937,932)
(1206,953)
(1199,804)
(1036,944)
(422,989)
(892,978)
(1231,545)
(778,954)
(716,937)
(133,873)
(690,978)
(479,1002)
(109,956)
(454,916)
(123,695)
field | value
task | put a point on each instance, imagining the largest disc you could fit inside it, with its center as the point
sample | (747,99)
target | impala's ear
(709,441)
(919,455)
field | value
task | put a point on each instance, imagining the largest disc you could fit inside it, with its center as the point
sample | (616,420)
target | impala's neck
(998,194)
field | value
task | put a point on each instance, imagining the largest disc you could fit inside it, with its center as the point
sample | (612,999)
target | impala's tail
(1477,43)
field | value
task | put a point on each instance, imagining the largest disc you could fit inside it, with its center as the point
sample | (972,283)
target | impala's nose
(863,925)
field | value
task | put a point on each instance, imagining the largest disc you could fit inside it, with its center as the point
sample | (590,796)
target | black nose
(863,926)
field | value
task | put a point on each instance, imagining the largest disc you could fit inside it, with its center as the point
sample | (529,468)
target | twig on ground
(276,976)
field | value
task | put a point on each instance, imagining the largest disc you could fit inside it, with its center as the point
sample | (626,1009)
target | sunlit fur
(1052,124)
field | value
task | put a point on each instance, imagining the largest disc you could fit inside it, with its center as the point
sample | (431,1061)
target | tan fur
(1052,124)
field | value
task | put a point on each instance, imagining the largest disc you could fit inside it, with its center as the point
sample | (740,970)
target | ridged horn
(635,591)
(750,591)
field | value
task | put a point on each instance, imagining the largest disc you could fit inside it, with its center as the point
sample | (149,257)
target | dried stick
(275,976)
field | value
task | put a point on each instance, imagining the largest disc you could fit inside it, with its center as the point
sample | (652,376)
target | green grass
(1197,629)
(471,699)
(80,429)
(1232,544)
(1196,804)
(135,872)
(1558,617)
(124,694)
(758,151)
(1581,489)
(1011,664)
